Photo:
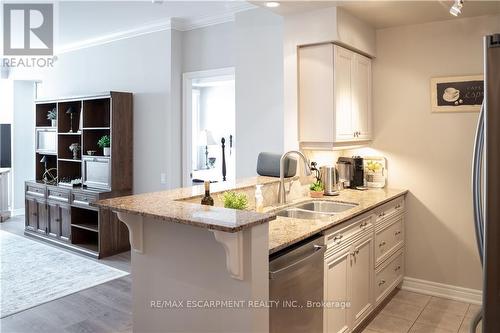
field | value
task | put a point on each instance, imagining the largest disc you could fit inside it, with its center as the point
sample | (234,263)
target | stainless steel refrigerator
(486,188)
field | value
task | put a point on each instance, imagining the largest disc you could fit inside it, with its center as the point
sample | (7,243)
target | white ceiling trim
(179,24)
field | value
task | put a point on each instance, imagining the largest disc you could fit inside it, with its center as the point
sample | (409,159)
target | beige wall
(430,154)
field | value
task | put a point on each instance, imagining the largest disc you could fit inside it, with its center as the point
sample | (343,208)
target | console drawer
(82,199)
(35,190)
(58,194)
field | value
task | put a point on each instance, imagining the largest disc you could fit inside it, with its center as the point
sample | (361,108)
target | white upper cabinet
(334,95)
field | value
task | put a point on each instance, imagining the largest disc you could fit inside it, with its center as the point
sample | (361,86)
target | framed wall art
(457,93)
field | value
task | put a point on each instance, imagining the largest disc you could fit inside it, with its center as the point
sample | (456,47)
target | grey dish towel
(268,164)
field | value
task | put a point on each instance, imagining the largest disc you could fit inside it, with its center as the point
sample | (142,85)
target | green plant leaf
(234,200)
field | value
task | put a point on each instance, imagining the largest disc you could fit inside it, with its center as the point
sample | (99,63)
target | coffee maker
(351,171)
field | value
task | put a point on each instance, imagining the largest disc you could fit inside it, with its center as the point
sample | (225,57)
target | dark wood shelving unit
(63,214)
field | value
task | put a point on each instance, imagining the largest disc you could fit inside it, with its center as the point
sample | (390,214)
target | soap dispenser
(259,199)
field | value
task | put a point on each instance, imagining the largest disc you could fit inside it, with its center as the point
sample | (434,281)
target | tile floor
(409,312)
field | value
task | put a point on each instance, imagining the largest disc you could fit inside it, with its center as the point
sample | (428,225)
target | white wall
(430,154)
(259,87)
(209,48)
(253,44)
(23,140)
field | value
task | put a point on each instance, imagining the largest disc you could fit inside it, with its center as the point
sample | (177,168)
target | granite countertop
(169,206)
(285,231)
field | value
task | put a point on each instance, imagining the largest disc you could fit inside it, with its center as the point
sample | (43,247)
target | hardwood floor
(100,309)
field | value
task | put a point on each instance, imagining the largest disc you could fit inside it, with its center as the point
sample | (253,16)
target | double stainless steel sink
(315,209)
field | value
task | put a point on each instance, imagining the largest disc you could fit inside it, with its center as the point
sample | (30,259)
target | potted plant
(52,116)
(316,189)
(104,143)
(235,200)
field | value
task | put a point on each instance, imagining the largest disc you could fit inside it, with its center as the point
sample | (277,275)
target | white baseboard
(456,293)
(17,212)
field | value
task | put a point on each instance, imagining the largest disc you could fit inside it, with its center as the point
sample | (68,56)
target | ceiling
(86,20)
(385,14)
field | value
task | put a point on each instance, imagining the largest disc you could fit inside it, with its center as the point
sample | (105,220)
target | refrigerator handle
(476,183)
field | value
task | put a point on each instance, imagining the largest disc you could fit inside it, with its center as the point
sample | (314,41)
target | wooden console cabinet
(60,213)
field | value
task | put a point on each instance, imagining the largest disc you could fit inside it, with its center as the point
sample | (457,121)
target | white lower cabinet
(337,272)
(361,280)
(357,271)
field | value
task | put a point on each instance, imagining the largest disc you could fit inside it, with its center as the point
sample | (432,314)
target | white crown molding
(456,293)
(179,24)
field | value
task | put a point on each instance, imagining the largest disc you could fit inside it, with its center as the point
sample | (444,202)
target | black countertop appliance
(357,170)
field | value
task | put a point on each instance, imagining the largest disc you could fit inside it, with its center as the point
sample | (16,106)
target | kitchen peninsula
(184,253)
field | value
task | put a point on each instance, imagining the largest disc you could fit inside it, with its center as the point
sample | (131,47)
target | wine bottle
(207,199)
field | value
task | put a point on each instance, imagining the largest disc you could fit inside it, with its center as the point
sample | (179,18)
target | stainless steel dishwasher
(296,278)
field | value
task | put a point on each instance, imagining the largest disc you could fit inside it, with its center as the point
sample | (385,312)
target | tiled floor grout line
(420,313)
(463,318)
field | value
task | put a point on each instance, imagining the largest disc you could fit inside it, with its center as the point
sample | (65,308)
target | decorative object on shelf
(223,141)
(457,93)
(235,200)
(211,162)
(316,189)
(375,171)
(75,148)
(91,152)
(71,182)
(104,143)
(206,139)
(49,175)
(71,111)
(52,116)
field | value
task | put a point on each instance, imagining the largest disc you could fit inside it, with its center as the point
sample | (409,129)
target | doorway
(209,126)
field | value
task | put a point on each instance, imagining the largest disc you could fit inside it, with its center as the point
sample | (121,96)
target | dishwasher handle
(318,249)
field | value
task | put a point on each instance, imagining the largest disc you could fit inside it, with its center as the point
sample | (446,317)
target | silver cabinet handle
(381,244)
(397,233)
(364,224)
(398,206)
(382,282)
(381,214)
(476,183)
(397,268)
(336,237)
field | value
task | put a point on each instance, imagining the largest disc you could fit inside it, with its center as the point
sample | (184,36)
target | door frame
(187,83)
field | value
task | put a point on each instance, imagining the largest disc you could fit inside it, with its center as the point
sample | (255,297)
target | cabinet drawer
(389,210)
(35,190)
(344,234)
(388,237)
(82,199)
(389,276)
(58,194)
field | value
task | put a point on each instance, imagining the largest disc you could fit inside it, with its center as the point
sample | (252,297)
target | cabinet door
(362,268)
(65,222)
(315,77)
(31,217)
(361,97)
(337,270)
(54,225)
(343,74)
(42,217)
